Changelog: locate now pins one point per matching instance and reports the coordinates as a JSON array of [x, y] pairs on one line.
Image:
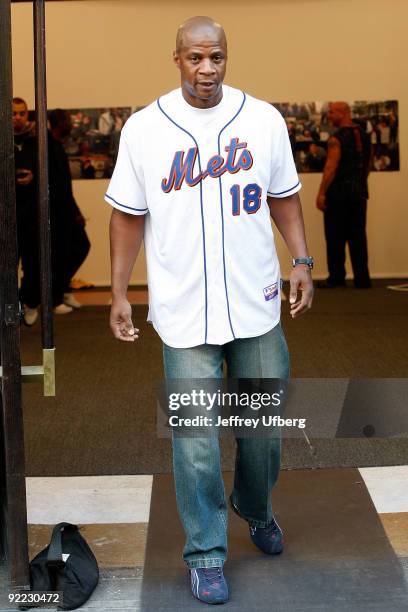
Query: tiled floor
[[113, 513], [396, 528], [115, 545], [115, 510], [98, 499], [112, 510], [388, 487]]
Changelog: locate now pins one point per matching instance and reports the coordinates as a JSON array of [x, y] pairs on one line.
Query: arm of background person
[[126, 235], [288, 218], [329, 172]]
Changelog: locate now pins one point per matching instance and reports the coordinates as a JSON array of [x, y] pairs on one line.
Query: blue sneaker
[[269, 539], [208, 585]]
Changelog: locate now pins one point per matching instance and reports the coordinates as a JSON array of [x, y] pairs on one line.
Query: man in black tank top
[[343, 198]]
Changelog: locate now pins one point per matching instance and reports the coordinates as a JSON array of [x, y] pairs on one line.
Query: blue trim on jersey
[[123, 205], [222, 210], [286, 190], [202, 211]]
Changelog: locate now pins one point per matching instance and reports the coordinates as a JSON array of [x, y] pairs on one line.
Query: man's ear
[[176, 59]]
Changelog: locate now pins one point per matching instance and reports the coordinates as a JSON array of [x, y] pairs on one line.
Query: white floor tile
[[89, 499], [388, 487]]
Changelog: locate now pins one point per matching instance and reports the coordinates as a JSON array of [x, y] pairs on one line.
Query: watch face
[[308, 261]]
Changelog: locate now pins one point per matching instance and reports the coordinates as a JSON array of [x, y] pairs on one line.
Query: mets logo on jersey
[[183, 165]]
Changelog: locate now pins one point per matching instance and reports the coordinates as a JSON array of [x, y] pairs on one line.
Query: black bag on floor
[[67, 564]]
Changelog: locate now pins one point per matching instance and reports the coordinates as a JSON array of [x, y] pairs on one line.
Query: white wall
[[118, 53]]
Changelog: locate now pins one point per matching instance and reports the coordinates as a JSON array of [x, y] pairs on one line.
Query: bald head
[[339, 113], [201, 56], [199, 27], [341, 107]]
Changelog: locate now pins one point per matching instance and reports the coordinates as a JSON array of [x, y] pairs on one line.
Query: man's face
[[202, 60], [334, 114], [20, 117]]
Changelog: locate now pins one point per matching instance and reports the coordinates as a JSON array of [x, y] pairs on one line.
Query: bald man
[[199, 174], [343, 198]]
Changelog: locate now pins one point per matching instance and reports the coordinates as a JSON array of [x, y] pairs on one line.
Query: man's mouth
[[206, 84]]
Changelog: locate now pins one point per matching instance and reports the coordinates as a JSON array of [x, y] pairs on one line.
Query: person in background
[[315, 158], [25, 156], [75, 242], [106, 122], [87, 169], [343, 198]]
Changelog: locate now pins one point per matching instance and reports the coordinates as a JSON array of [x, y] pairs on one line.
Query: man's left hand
[[300, 281]]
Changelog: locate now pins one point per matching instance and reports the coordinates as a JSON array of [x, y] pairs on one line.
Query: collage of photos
[[92, 145], [309, 131]]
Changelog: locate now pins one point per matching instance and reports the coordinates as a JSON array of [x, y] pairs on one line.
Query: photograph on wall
[[93, 144], [309, 131]]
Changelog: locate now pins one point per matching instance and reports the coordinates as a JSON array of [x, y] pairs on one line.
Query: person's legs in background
[[78, 250], [29, 292], [357, 241], [335, 233], [61, 230]]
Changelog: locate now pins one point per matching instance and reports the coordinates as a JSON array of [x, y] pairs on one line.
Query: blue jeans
[[198, 479]]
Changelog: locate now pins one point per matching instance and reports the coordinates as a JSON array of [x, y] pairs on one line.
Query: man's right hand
[[121, 321], [321, 202]]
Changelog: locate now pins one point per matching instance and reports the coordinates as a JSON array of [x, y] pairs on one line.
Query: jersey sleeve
[[126, 190], [284, 179]]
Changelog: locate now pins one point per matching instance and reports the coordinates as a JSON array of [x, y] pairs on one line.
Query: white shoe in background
[[62, 309], [70, 300], [30, 315]]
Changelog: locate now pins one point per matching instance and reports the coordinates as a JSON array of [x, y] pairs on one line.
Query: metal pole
[[42, 174], [12, 463]]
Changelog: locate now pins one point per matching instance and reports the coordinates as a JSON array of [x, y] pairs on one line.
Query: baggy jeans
[[199, 484]]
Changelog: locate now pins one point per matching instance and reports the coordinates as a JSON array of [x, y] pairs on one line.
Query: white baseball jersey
[[201, 177]]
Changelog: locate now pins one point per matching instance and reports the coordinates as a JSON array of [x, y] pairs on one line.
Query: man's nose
[[207, 66]]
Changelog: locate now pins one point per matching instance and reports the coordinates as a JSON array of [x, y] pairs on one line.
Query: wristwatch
[[308, 261]]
